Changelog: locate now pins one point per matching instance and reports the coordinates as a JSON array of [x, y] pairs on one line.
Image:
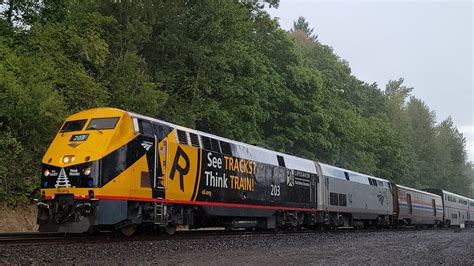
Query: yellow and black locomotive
[[108, 169]]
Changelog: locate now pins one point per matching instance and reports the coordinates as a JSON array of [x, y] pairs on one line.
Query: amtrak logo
[[62, 180], [381, 198], [147, 145], [74, 145]]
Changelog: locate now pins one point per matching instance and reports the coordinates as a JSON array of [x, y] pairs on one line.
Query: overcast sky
[[429, 44]]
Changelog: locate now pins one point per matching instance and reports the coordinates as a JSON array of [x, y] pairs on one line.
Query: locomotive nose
[[68, 159]]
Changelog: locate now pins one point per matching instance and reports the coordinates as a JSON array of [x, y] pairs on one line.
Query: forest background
[[224, 67]]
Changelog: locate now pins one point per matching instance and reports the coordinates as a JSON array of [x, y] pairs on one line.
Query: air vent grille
[[194, 140], [182, 137]]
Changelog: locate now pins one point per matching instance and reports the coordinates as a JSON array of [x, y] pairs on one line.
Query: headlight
[[87, 171], [68, 158], [46, 172]]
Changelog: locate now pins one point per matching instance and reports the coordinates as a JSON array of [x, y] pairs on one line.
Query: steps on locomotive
[[160, 213], [159, 190]]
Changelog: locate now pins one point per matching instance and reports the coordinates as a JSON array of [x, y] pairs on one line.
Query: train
[[110, 169]]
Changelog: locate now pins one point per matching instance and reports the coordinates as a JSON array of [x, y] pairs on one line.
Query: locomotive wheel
[[129, 230], [93, 231], [170, 229]]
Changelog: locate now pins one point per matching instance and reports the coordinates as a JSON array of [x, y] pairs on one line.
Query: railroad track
[[51, 238], [37, 238]]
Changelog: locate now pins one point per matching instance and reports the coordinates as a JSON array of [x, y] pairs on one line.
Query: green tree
[[31, 111], [222, 67], [450, 167], [302, 25], [131, 88]]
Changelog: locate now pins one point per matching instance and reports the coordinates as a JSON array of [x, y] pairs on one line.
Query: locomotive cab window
[[102, 123], [75, 125]]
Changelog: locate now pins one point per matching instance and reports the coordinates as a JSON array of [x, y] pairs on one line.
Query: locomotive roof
[[323, 165], [304, 164]]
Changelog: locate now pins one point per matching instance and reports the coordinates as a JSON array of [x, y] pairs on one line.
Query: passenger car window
[[102, 123], [410, 207], [75, 125]]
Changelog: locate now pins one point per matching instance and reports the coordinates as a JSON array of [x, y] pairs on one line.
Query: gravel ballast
[[448, 246]]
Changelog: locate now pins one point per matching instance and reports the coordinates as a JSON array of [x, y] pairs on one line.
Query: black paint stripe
[[198, 173], [116, 162]]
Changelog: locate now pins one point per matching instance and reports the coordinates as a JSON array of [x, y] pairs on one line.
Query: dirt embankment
[[18, 219]]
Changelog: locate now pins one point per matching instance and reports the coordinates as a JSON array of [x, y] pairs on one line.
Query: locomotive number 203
[[80, 137], [275, 190]]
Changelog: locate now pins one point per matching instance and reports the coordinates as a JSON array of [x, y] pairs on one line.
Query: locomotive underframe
[[66, 214]]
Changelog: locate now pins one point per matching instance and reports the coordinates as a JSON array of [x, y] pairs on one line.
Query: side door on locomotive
[[154, 139]]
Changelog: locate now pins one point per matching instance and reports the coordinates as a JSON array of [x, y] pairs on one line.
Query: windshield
[[103, 123], [75, 125]]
